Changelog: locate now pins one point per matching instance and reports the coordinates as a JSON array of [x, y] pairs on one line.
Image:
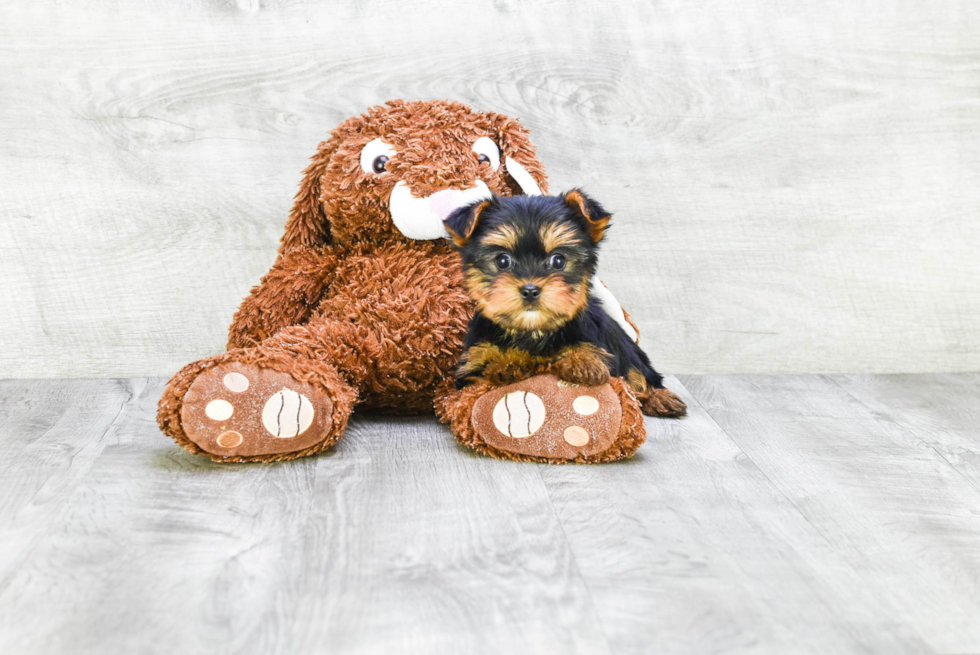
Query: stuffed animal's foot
[[238, 411], [546, 419], [243, 410], [662, 402]]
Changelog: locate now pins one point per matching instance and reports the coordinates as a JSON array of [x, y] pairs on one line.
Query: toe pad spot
[[236, 382], [219, 410], [585, 405], [576, 436], [230, 439]]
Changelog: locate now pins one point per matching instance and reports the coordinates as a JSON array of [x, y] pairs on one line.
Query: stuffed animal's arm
[[287, 295]]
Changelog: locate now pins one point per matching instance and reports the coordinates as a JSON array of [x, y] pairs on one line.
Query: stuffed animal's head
[[399, 170]]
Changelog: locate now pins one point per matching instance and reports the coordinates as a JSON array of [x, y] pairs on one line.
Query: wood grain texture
[[801, 514], [691, 548], [902, 520], [157, 551], [433, 549], [395, 541], [794, 186], [939, 410], [52, 433]]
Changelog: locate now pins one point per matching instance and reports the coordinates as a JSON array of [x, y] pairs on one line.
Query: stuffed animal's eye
[[557, 262], [487, 151], [375, 157], [503, 261]]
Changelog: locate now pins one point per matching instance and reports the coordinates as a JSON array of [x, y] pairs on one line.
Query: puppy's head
[[528, 260]]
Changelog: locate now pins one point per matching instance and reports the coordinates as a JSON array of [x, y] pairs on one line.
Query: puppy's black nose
[[530, 292]]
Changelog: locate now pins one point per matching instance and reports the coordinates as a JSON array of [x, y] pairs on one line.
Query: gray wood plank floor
[[823, 514]]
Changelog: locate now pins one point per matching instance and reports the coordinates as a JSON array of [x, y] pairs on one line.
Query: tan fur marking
[[562, 301], [499, 366], [462, 239], [597, 224], [597, 228], [556, 235], [500, 300], [577, 202], [637, 382], [478, 356], [477, 283], [505, 236]]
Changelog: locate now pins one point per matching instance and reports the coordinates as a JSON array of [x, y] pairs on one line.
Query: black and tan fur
[[528, 263]]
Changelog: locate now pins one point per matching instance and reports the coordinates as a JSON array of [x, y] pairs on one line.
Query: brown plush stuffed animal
[[365, 307]]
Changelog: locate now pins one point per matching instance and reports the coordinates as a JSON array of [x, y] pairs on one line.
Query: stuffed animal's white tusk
[[522, 177], [422, 218], [612, 307]]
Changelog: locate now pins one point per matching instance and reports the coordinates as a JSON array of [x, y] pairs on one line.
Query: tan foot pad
[[543, 417], [242, 410]]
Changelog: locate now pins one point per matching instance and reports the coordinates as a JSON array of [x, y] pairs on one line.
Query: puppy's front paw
[[499, 367], [511, 365], [506, 371], [584, 365]]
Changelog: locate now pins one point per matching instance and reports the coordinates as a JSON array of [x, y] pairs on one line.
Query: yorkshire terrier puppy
[[528, 262]]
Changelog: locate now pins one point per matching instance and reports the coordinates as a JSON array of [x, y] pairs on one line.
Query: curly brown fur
[[351, 304], [300, 278], [356, 309], [338, 202]]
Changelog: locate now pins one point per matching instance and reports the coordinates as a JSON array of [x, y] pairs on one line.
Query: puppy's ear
[[596, 218], [463, 221]]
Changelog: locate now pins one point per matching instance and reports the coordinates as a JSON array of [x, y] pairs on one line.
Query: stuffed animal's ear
[[308, 225], [525, 173], [596, 218], [462, 223]]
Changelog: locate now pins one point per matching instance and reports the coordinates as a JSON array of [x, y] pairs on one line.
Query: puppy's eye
[[375, 157], [557, 262], [484, 159], [503, 261]]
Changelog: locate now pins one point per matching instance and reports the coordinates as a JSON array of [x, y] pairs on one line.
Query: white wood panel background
[[796, 184]]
